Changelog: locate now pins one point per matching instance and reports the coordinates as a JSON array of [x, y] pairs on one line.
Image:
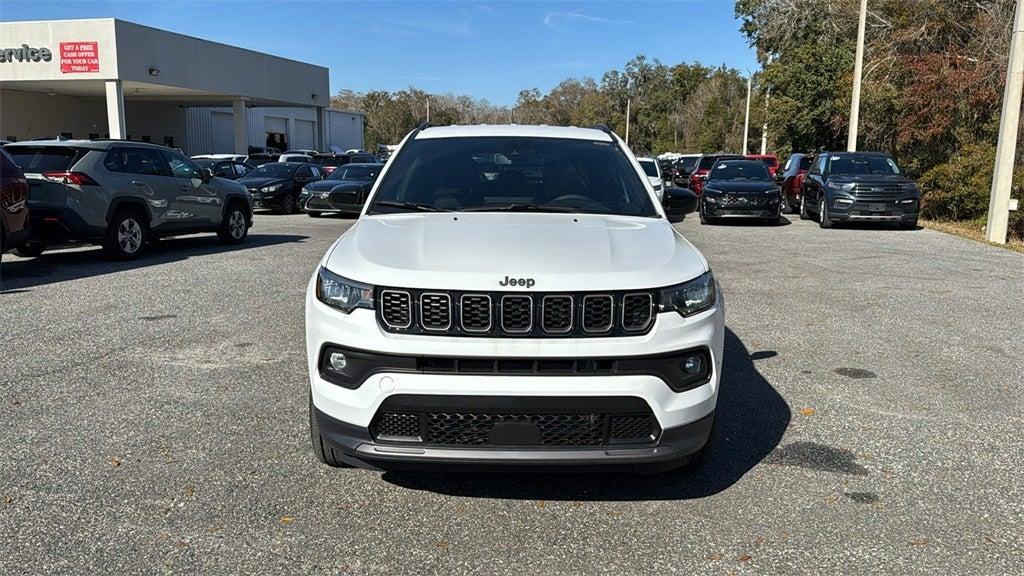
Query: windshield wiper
[[409, 205], [522, 208]]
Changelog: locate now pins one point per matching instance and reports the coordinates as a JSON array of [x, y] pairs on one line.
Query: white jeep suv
[[510, 296]]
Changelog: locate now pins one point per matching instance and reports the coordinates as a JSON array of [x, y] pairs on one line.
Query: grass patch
[[973, 229]]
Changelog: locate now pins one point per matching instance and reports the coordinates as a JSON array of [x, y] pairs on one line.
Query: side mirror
[[206, 174], [678, 202]]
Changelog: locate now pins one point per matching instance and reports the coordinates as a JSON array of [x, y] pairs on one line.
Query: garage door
[[275, 125], [303, 138], [223, 126]]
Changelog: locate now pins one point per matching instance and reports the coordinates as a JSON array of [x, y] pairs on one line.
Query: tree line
[[685, 107]]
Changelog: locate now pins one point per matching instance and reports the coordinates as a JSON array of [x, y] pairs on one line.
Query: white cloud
[[557, 20]]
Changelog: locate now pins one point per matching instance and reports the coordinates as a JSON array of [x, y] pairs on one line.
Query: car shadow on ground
[[18, 275], [750, 421]]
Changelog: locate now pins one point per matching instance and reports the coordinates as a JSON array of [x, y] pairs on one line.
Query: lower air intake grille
[[474, 428], [397, 426]]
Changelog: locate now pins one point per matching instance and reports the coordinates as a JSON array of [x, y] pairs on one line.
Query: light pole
[[746, 121], [764, 128], [851, 141], [1006, 149], [627, 121]]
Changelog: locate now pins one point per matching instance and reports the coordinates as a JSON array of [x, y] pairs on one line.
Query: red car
[[792, 180], [770, 160], [14, 222], [704, 165]]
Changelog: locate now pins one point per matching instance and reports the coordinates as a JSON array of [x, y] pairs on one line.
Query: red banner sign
[[79, 57]]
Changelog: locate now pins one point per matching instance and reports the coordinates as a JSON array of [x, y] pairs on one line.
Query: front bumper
[[847, 209], [352, 411], [315, 202], [673, 448], [720, 207]]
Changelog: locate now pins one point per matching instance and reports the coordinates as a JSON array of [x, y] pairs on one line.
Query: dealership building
[[107, 78]]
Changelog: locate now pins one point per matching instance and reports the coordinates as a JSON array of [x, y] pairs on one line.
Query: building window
[[67, 135], [94, 136], [169, 141], [146, 138], [12, 138]]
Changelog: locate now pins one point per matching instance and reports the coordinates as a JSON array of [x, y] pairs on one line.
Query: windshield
[[273, 170], [39, 159], [805, 163], [706, 162], [687, 164], [511, 174], [354, 172], [855, 165], [739, 170], [650, 168]]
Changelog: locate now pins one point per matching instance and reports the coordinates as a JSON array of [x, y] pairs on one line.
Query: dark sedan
[[344, 190], [740, 189], [276, 185]]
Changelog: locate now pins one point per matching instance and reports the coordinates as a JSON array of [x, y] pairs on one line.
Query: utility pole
[[851, 141], [627, 121], [746, 121], [764, 129], [1009, 120], [428, 109]]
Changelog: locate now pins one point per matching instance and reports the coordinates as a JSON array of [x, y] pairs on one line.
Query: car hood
[[870, 179], [260, 182], [560, 252], [328, 185], [739, 186]]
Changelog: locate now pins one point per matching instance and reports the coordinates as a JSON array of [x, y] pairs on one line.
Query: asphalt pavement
[[153, 419]]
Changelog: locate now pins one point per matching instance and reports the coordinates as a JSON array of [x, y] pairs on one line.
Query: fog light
[[692, 364], [338, 361]]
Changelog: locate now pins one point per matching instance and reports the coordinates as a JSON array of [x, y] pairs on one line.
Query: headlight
[[273, 188], [691, 297], [846, 186], [304, 192], [341, 293]]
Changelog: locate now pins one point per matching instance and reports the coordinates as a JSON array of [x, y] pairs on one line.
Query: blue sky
[[485, 49]]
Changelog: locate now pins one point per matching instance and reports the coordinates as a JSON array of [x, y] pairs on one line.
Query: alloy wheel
[[129, 235]]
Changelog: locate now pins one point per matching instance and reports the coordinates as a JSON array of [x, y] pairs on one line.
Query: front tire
[[289, 204], [909, 225], [126, 236], [803, 208], [235, 226], [823, 220], [323, 451]]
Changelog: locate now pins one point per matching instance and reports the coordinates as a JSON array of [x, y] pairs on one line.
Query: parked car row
[[830, 187]]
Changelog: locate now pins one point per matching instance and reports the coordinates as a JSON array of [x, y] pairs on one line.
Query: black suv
[[859, 187]]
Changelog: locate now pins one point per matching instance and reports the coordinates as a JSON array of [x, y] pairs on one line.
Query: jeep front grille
[[453, 313]]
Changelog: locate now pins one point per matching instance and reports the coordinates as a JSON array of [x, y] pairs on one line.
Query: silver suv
[[124, 194]]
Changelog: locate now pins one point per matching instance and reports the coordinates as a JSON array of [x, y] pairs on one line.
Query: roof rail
[[424, 126], [602, 127]]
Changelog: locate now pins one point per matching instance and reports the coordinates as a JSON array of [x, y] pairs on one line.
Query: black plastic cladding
[[516, 314]]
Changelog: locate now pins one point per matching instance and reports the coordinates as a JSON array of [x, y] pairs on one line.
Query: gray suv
[[124, 194]]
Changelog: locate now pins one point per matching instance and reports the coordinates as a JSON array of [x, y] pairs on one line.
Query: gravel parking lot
[[154, 420]]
